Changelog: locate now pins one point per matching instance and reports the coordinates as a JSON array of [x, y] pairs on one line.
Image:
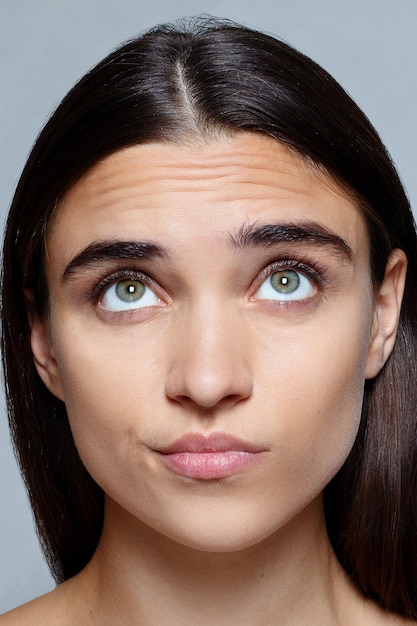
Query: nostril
[[205, 412], [208, 393]]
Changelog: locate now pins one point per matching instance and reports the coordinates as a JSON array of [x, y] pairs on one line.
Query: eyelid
[[314, 271], [310, 269], [121, 274], [313, 279], [153, 299]]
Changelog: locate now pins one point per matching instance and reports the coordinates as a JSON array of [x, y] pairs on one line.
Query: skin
[[213, 348]]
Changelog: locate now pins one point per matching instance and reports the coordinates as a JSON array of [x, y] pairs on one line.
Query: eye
[[126, 294], [285, 285]]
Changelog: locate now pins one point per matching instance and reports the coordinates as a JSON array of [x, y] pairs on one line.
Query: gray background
[[370, 46]]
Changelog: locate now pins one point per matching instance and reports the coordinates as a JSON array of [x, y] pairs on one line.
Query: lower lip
[[209, 465]]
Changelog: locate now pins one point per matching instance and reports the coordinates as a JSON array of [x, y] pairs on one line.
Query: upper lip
[[215, 442]]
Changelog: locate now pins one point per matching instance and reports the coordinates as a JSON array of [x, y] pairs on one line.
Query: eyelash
[[311, 269], [313, 278], [317, 274], [107, 281]]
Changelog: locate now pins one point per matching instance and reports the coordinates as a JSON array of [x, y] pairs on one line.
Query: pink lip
[[207, 458]]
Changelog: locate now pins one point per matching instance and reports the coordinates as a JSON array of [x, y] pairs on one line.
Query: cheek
[[315, 382], [104, 383]]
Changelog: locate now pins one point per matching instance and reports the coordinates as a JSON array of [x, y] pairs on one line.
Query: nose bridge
[[209, 361]]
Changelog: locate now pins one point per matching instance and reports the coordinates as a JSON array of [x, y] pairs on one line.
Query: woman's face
[[210, 331]]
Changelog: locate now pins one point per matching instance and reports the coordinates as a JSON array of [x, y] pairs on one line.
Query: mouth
[[207, 458]]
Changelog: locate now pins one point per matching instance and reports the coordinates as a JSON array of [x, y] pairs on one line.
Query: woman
[[210, 380]]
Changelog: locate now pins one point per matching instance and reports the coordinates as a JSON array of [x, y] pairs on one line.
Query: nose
[[210, 362]]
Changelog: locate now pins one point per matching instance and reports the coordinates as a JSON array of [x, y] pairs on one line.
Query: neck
[[144, 577]]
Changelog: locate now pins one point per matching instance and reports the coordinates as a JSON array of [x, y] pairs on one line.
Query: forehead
[[167, 189]]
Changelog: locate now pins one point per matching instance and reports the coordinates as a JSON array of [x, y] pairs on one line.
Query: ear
[[42, 349], [387, 305]]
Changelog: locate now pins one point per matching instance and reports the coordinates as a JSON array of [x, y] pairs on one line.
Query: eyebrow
[[252, 235], [113, 250], [248, 235]]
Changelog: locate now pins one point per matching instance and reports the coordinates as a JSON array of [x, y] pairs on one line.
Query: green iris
[[285, 282], [130, 290]]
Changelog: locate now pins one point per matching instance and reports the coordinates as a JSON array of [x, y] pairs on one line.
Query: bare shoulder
[[39, 611], [402, 621], [56, 608], [382, 617], [405, 622]]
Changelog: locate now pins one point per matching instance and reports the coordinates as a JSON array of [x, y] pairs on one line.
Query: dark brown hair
[[201, 78]]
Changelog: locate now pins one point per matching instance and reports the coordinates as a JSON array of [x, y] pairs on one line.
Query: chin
[[225, 544], [217, 533]]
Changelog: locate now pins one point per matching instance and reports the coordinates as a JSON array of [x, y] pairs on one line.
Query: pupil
[[285, 282], [129, 290]]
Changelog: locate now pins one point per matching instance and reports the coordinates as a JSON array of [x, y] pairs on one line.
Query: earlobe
[[42, 349], [387, 305]]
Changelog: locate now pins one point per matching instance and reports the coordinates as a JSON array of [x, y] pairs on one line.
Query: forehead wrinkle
[[171, 176], [243, 165]]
